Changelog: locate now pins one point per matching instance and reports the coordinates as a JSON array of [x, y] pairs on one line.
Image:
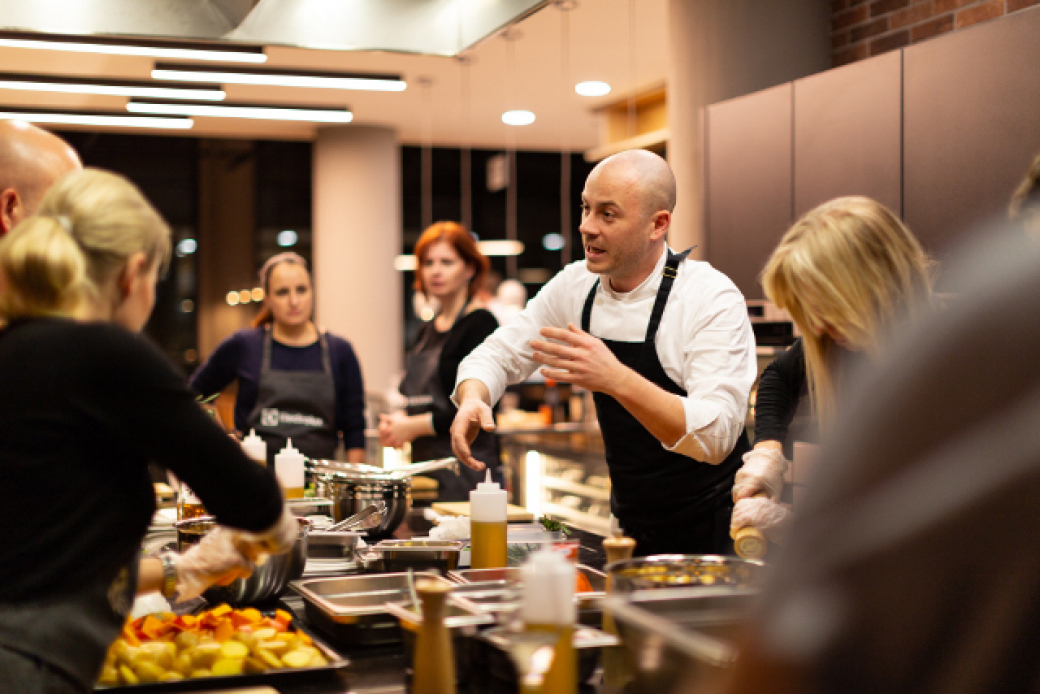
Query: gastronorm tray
[[353, 609], [273, 678], [499, 589]]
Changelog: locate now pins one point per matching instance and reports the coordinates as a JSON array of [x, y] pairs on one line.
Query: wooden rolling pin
[[749, 542]]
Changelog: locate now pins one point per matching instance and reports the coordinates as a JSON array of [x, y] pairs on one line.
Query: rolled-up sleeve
[[718, 370]]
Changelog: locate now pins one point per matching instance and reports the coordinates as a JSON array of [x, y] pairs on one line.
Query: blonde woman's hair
[[850, 264], [86, 227]]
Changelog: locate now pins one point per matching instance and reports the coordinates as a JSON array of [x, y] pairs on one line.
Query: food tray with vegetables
[[216, 648]]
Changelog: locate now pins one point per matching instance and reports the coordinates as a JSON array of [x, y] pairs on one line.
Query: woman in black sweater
[[846, 271], [87, 404], [451, 270]]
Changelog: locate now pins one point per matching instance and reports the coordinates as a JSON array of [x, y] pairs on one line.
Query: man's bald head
[[31, 160], [649, 173]]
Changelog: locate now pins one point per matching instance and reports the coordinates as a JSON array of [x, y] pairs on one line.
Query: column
[[721, 49], [356, 235]]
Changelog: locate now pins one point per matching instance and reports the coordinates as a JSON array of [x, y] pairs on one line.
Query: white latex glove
[[277, 539], [214, 560], [769, 517], [763, 472]]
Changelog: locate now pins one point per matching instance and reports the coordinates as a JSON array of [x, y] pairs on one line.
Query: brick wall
[[864, 28]]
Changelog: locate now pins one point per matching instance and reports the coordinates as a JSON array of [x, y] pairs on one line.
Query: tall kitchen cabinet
[[940, 132]]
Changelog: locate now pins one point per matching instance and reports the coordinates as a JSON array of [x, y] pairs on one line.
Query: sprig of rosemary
[[554, 526]]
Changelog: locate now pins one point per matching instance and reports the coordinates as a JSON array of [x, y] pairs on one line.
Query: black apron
[[295, 404], [667, 502], [59, 645], [425, 392]]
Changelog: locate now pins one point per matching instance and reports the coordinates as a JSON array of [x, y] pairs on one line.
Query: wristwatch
[[169, 574]]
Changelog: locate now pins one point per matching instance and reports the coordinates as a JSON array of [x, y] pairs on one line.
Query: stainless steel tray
[[399, 555], [499, 589], [682, 637], [353, 609]]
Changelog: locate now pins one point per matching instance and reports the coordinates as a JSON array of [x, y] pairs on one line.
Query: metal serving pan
[[681, 638], [400, 555], [352, 609]]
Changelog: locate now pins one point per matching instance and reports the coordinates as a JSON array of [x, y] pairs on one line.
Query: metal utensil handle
[[449, 463]]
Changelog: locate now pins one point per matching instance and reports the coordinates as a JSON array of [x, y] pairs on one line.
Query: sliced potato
[[234, 650], [228, 666]]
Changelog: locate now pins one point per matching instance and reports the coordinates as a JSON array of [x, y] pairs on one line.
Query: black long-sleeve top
[[782, 394]]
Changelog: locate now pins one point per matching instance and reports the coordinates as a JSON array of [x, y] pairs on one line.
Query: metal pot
[[267, 582], [349, 496]]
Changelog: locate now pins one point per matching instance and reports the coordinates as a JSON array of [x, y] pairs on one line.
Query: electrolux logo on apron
[[272, 417]]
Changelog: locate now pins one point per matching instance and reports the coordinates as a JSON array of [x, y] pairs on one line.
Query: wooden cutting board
[[514, 514]]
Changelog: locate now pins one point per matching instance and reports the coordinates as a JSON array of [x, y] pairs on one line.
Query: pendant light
[[565, 6], [510, 36], [426, 154], [466, 153]]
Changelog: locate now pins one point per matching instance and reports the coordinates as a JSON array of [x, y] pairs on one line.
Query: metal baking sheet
[[274, 678]]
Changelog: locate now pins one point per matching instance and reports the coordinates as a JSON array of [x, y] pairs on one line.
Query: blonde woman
[[87, 403], [845, 272]]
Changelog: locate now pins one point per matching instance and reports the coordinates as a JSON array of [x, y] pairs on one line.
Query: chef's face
[[444, 272], [616, 232], [289, 294]]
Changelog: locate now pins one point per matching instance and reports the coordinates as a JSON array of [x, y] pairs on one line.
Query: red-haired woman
[[450, 269]]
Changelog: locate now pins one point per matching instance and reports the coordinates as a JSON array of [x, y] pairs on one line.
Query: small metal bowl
[[401, 555], [266, 583], [339, 544]]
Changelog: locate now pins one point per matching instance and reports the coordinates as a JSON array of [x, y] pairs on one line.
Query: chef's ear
[[10, 209], [661, 220]]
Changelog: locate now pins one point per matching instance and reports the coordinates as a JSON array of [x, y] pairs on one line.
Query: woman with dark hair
[[295, 381], [451, 270]]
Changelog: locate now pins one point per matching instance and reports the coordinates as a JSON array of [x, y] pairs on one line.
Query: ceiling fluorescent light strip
[[258, 111], [161, 49], [95, 118], [279, 78], [109, 87]]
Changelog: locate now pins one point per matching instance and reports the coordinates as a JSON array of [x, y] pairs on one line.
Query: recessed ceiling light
[[257, 111], [518, 118], [176, 50], [316, 79], [592, 88]]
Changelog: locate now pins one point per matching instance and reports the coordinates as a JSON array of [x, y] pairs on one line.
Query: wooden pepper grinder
[[433, 670], [749, 542], [617, 670]]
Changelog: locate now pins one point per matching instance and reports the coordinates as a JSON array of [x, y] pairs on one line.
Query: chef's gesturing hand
[[474, 414], [574, 356]]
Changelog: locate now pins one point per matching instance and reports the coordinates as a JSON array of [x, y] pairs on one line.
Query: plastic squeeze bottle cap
[[288, 467], [548, 588], [255, 447], [487, 503]]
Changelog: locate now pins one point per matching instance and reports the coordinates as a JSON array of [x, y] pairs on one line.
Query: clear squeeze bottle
[[433, 670], [255, 447], [487, 510], [549, 607], [288, 467]]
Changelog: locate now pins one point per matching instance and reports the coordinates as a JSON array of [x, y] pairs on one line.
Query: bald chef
[[662, 341]]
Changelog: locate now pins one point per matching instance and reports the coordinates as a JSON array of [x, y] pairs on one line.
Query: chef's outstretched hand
[[395, 430], [474, 414], [571, 355]]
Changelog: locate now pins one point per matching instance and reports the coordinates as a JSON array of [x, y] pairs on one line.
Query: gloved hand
[[769, 517], [277, 539], [214, 560], [763, 472]]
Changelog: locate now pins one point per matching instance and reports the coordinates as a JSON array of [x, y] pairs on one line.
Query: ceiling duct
[[429, 27], [175, 19]]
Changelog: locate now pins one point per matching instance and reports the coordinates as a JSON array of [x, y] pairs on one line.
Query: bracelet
[[169, 575]]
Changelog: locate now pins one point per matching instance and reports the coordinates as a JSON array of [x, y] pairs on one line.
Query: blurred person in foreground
[[295, 380], [1024, 209], [451, 270], [87, 404], [847, 271], [31, 160], [662, 341]]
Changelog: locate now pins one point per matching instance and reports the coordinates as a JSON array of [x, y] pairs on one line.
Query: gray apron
[[59, 645], [425, 392], [295, 404]]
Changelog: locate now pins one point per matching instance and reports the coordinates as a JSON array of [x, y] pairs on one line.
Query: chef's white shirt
[[704, 343]]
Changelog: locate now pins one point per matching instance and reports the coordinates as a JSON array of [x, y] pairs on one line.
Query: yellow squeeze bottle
[[548, 607], [487, 510]]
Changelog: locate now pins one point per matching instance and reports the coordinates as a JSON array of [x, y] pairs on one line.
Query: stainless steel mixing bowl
[[267, 581], [350, 496]]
